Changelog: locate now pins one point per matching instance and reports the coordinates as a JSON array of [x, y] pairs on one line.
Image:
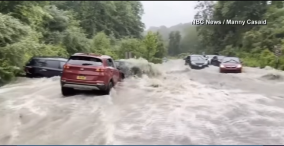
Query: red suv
[[89, 71]]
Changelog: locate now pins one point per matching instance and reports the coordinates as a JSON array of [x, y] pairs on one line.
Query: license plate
[[81, 77], [200, 65]]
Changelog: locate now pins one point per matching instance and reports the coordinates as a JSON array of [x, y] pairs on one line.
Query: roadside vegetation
[[61, 28], [254, 44]]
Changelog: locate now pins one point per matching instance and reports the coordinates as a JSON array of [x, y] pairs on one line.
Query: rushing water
[[177, 106]]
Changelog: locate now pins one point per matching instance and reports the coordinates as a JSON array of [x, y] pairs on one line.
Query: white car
[[206, 58]]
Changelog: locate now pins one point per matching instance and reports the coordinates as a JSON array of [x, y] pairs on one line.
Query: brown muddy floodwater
[[180, 106]]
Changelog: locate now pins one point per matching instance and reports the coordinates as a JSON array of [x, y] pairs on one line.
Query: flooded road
[[181, 106]]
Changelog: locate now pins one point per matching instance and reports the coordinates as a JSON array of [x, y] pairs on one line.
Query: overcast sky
[[167, 13]]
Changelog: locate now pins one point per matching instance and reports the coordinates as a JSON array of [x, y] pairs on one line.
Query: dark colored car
[[44, 66], [89, 72], [197, 62], [128, 69], [122, 67], [231, 64], [186, 60], [216, 60], [210, 57]]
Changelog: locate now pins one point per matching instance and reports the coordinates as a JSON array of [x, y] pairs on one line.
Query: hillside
[[165, 31], [62, 28]]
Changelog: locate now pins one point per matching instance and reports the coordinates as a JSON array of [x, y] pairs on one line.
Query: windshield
[[196, 58], [116, 63], [231, 60], [210, 56], [220, 57], [85, 60], [122, 63]]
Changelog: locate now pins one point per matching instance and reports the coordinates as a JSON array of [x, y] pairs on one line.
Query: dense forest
[[254, 44], [179, 39], [61, 28]]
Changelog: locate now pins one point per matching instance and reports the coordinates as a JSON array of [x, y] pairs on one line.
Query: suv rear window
[[37, 62], [52, 63], [85, 60]]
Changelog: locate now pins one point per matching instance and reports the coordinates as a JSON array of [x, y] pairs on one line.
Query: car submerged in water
[[209, 58], [127, 69], [44, 66], [230, 64], [89, 72], [216, 60], [196, 61]]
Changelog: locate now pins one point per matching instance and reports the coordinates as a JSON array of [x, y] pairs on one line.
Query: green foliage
[[151, 44], [181, 38], [135, 46], [174, 43], [183, 55], [161, 49], [254, 44], [62, 28]]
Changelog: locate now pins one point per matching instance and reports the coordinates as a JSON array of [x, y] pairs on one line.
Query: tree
[[61, 28], [135, 46], [253, 43], [151, 43], [174, 43], [161, 49]]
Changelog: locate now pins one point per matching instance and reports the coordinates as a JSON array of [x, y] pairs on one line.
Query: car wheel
[[122, 76], [29, 75], [67, 91], [136, 71], [108, 88]]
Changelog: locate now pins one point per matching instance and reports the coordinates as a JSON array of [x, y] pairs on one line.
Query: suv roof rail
[[106, 56], [48, 57], [94, 54], [78, 53], [87, 54]]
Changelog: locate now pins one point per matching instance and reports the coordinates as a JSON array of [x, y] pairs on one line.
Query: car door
[[52, 68], [34, 67], [189, 60], [214, 60], [61, 66], [114, 71]]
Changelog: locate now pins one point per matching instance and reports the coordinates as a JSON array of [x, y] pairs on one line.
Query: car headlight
[[193, 63], [239, 66], [222, 66]]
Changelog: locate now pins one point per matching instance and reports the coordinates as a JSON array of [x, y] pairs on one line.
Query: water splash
[[167, 108], [141, 66]]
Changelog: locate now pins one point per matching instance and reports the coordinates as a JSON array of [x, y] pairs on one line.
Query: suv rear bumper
[[98, 86]]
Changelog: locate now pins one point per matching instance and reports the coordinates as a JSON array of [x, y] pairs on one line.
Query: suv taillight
[[100, 70], [65, 66]]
